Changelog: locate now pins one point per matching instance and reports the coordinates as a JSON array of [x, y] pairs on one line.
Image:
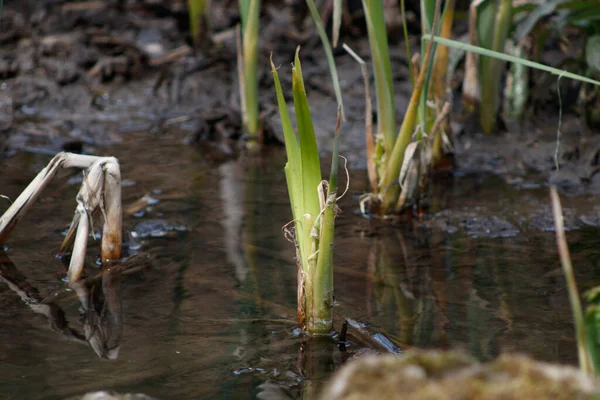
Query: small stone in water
[[128, 183], [156, 228], [139, 214]]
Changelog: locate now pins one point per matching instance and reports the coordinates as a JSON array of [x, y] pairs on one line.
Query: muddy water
[[207, 297]]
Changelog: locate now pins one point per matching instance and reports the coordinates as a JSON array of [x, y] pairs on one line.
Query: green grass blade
[[506, 57], [293, 168], [244, 10], [426, 119], [485, 23], [309, 153], [427, 13], [384, 86], [333, 175], [490, 91], [516, 90], [406, 43], [592, 330], [328, 52], [199, 15], [250, 53]]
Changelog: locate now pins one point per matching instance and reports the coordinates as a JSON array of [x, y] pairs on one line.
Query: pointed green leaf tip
[[309, 153], [293, 168]]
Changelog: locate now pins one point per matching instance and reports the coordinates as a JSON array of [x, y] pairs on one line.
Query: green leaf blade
[[386, 110], [506, 57], [293, 168], [309, 152]]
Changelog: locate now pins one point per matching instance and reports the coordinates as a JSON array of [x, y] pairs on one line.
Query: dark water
[[210, 312]]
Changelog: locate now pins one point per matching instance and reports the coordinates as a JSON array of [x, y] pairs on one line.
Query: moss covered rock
[[450, 375]]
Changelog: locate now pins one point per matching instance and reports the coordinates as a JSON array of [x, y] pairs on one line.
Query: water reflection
[[211, 313], [429, 288], [100, 313]]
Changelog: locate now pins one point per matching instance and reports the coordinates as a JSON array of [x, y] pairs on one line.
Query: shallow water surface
[[205, 307]]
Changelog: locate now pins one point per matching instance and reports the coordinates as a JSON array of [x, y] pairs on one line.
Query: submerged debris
[[156, 228]]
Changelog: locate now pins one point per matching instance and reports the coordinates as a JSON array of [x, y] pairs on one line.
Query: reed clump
[[314, 206]]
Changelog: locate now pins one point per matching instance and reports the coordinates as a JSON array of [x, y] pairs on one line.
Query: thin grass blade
[[386, 110], [328, 52], [309, 152], [293, 168], [244, 6], [491, 74], [406, 43], [250, 51], [506, 57]]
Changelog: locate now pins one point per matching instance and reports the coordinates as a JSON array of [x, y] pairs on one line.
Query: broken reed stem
[[28, 197], [112, 230], [585, 360], [101, 189]]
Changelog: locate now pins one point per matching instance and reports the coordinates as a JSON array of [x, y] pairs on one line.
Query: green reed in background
[[314, 13], [247, 66], [199, 13], [388, 157]]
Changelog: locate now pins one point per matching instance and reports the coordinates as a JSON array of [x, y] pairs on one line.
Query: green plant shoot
[[313, 204], [199, 13], [247, 65]]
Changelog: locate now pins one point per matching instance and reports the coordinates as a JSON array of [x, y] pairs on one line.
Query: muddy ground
[[78, 76]]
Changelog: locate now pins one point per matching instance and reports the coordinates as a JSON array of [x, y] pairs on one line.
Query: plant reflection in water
[[100, 312]]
